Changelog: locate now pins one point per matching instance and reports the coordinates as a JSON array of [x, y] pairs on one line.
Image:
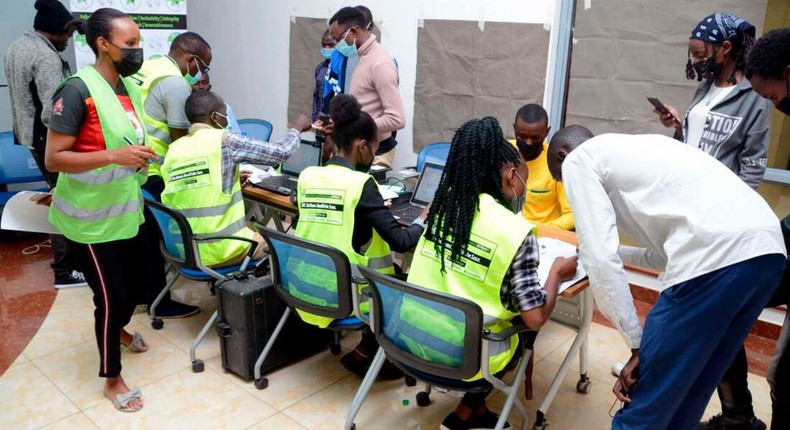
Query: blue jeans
[[691, 336]]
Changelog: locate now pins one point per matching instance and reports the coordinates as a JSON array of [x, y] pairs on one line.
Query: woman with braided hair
[[475, 246]]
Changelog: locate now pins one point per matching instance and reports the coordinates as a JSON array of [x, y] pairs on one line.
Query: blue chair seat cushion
[[347, 322], [199, 275]]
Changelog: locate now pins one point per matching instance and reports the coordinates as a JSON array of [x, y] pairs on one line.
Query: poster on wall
[[160, 21]]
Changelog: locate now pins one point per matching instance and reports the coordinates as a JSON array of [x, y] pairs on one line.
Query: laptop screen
[[428, 183], [305, 156]]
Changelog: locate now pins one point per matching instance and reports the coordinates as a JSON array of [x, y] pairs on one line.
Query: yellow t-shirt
[[546, 201]]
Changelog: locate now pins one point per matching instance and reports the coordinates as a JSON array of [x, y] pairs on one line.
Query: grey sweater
[[34, 68], [737, 131]]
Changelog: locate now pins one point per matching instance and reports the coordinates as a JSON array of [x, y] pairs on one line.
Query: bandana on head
[[718, 27]]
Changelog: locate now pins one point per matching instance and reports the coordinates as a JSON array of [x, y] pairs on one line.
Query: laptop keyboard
[[407, 212]]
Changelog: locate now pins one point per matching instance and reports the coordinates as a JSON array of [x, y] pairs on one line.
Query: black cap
[[53, 17]]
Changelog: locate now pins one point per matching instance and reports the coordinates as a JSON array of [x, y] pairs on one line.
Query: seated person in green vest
[[204, 84], [201, 175], [475, 211], [363, 228], [546, 203], [166, 82]]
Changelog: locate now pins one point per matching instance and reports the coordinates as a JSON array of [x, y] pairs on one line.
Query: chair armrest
[[250, 252], [355, 281], [505, 334]]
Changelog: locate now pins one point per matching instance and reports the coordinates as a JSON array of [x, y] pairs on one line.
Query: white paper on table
[[550, 249], [23, 214], [389, 192], [259, 174]]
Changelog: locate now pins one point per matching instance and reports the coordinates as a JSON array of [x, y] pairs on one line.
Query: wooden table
[[268, 206]]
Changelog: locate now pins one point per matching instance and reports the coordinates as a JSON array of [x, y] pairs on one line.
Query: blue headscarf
[[718, 27]]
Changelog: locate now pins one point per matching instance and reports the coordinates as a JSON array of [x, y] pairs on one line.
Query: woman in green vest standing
[[475, 246], [96, 142]]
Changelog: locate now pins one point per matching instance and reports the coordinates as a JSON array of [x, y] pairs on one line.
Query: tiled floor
[[53, 384]]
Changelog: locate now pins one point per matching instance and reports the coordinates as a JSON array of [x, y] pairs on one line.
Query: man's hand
[[136, 156], [245, 177], [627, 379], [301, 123], [327, 128], [564, 268]]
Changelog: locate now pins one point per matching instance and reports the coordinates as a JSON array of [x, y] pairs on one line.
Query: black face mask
[[707, 69], [131, 61], [784, 105], [361, 165], [527, 151]]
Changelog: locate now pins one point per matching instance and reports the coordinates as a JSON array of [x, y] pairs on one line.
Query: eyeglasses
[[342, 36], [204, 68]]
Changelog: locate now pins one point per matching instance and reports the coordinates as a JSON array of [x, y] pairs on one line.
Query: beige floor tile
[[552, 335], [278, 422], [21, 359], [605, 347], [383, 408], [30, 400], [298, 381], [75, 370], [761, 400], [75, 422], [187, 401], [69, 323], [182, 331]]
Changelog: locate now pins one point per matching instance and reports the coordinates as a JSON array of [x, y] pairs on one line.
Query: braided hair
[[477, 153]]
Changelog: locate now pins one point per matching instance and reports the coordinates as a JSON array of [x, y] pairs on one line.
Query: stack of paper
[[550, 249], [22, 213]]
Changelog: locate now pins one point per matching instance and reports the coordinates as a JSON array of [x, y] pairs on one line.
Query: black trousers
[[62, 263], [115, 272]]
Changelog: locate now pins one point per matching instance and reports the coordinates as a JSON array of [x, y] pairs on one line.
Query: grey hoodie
[[737, 131]]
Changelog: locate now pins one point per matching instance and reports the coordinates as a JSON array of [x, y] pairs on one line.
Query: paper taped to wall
[[22, 213], [550, 249]]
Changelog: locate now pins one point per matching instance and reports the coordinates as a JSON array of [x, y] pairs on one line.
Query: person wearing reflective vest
[[206, 190], [96, 142], [477, 247], [340, 205]]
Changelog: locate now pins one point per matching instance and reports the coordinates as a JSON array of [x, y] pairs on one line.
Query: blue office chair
[[16, 166], [256, 128], [332, 296], [447, 362], [433, 153], [180, 248]]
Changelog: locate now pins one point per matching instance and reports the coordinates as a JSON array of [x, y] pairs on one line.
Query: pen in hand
[[158, 159]]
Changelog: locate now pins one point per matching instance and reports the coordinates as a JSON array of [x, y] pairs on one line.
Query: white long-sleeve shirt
[[690, 214]]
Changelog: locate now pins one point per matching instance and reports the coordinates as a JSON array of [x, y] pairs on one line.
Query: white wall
[[249, 40]]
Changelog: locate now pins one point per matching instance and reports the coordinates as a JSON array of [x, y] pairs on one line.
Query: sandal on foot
[[121, 401], [138, 344]]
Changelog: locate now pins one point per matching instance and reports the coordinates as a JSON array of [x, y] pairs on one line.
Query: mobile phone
[[324, 118], [660, 107]]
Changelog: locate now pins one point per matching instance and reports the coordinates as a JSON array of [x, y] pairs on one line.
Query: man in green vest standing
[[165, 83]]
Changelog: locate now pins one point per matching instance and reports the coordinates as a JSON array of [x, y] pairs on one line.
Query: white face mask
[[227, 122], [517, 202]]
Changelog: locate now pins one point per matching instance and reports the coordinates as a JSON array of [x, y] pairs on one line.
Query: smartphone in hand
[[661, 108]]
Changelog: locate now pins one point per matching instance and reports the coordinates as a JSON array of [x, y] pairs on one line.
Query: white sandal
[[121, 401], [138, 344]]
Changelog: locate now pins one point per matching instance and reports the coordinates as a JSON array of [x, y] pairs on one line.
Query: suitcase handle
[[223, 329]]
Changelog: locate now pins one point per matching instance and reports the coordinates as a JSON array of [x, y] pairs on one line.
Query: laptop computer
[[308, 154], [423, 194]]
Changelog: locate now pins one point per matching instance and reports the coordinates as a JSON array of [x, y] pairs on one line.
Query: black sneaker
[[173, 309], [721, 422], [388, 372], [73, 279], [487, 421]]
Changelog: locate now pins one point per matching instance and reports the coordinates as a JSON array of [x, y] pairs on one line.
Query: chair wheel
[[334, 348], [198, 366], [423, 399], [157, 324], [583, 386], [261, 383], [410, 382]]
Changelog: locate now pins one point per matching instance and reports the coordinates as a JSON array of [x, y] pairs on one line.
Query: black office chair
[[447, 365]]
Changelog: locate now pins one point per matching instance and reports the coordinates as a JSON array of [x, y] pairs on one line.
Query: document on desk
[[23, 214], [258, 173], [550, 249]]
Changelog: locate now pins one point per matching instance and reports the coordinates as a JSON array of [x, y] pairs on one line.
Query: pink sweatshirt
[[375, 85]]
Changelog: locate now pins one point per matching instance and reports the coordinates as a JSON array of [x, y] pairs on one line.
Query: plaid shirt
[[521, 289], [239, 149]]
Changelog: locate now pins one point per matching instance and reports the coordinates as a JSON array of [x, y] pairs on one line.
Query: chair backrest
[[435, 333], [17, 164], [309, 276], [256, 128], [176, 234], [433, 153]]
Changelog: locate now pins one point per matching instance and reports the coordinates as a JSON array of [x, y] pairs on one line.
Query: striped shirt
[[521, 289]]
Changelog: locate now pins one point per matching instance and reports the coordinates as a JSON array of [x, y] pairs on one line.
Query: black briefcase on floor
[[249, 311]]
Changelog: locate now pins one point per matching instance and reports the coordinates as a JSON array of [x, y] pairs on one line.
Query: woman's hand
[[136, 156], [564, 268], [670, 119]]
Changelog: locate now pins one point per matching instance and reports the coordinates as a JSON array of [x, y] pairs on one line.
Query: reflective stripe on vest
[[477, 276], [155, 68], [328, 197], [192, 173], [103, 204]]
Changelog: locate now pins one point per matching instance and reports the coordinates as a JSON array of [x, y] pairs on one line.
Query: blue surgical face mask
[[327, 52], [194, 79], [344, 48], [517, 202]]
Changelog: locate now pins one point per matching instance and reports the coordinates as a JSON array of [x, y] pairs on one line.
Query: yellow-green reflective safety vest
[[154, 69], [327, 198], [192, 173], [104, 204], [496, 236]]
